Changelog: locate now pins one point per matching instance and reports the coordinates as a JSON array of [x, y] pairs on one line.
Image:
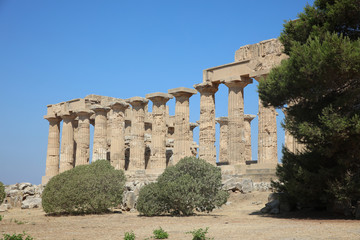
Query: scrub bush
[[84, 189], [160, 234], [191, 184], [2, 192]]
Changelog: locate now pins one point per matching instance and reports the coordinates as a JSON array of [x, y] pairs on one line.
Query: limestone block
[[22, 186], [31, 202]]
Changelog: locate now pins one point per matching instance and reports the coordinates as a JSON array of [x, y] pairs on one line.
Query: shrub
[[90, 188], [191, 184], [129, 236], [199, 234], [149, 202], [21, 236], [160, 234], [2, 192]]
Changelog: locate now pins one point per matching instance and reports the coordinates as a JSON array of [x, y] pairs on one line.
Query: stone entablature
[[133, 139]]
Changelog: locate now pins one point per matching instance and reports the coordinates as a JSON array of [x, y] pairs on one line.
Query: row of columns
[[238, 139], [238, 143], [75, 150]]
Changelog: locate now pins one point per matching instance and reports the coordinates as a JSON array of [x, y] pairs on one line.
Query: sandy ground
[[238, 220]]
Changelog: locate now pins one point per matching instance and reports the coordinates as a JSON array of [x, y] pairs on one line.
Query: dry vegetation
[[238, 220]]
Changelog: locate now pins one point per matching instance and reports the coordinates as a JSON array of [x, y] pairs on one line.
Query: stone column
[[182, 120], [223, 151], [137, 143], [159, 130], [267, 133], [207, 149], [291, 143], [117, 148], [192, 127], [108, 132], [53, 148], [83, 137], [100, 132], [67, 142], [236, 133], [247, 124]]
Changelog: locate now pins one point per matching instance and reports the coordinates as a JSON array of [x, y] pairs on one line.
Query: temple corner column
[[53, 148]]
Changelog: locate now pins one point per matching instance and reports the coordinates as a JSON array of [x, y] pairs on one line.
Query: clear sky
[[54, 51]]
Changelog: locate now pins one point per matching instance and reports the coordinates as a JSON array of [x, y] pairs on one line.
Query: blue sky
[[54, 51]]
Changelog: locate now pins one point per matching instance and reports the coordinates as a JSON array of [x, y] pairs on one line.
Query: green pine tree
[[320, 86]]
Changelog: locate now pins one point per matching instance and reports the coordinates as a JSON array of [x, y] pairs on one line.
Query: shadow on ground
[[306, 214]]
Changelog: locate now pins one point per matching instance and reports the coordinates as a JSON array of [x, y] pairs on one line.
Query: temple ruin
[[138, 141]]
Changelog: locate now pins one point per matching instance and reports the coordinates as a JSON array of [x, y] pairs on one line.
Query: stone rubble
[[23, 195]]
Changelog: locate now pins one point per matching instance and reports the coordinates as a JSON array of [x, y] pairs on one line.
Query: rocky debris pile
[[27, 195], [277, 204], [245, 185], [131, 194], [24, 195]]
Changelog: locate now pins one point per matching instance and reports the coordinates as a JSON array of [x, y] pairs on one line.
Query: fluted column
[[100, 132], [291, 143], [207, 149], [247, 125], [192, 127], [159, 130], [137, 143], [182, 119], [223, 151], [236, 133], [53, 148], [117, 148], [267, 133], [67, 143], [83, 137]]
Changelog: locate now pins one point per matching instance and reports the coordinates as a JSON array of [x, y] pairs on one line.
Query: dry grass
[[238, 220]]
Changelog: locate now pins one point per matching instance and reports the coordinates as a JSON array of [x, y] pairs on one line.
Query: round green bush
[[90, 188], [149, 202], [2, 192], [191, 184]]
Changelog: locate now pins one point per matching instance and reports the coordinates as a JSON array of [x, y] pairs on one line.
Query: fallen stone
[[31, 202], [22, 186], [247, 185]]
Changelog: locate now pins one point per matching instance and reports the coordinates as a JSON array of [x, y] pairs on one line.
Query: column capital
[[222, 120], [84, 112], [137, 101], [98, 108], [260, 77], [159, 97], [68, 115], [206, 87], [52, 118], [249, 117], [119, 105], [237, 81], [193, 125], [182, 91]]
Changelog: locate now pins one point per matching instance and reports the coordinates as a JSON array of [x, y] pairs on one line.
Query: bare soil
[[239, 219]]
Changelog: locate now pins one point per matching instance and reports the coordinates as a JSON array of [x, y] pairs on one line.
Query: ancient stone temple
[[134, 139]]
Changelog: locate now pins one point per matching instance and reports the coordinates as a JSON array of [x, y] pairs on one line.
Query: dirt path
[[237, 220]]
